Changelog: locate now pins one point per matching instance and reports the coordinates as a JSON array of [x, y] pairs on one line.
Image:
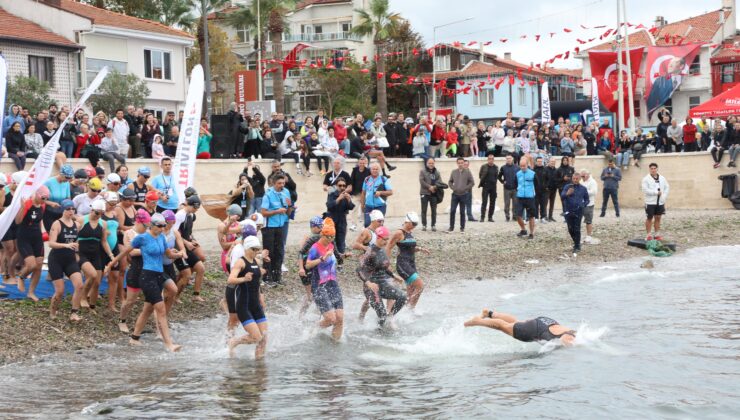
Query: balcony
[[328, 36]]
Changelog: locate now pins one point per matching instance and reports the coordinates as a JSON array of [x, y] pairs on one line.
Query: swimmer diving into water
[[537, 329]]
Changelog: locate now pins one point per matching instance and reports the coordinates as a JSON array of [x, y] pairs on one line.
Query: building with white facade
[[154, 52], [324, 24]]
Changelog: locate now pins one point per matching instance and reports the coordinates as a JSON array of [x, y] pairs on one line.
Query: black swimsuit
[[63, 261], [538, 329]]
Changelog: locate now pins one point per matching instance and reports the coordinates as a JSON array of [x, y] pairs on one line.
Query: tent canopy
[[723, 105]]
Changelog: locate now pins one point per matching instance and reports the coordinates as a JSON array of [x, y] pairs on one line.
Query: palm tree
[[176, 13], [273, 21], [381, 24]]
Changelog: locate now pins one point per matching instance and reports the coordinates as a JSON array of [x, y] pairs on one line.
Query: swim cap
[[99, 171], [158, 219], [152, 196], [376, 215], [234, 210], [95, 184], [412, 217], [98, 205], [252, 242], [128, 193], [249, 230], [259, 219], [67, 171], [169, 216], [81, 174], [90, 171], [113, 179], [328, 229], [382, 232], [316, 221], [43, 192], [67, 204], [142, 216], [145, 171], [110, 196], [194, 201], [409, 120], [18, 177], [189, 192]]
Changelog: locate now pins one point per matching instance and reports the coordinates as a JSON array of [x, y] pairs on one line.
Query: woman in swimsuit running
[[537, 329]]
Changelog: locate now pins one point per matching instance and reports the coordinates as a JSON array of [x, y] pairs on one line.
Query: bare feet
[[32, 297], [84, 303], [472, 322], [134, 342], [197, 298], [75, 318], [122, 327], [174, 348], [11, 281], [21, 285], [232, 346]]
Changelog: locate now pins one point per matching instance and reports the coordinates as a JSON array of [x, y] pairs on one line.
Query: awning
[[723, 105]]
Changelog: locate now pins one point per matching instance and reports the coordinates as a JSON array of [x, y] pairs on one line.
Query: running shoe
[[284, 269], [649, 238], [531, 236], [658, 237], [522, 233]]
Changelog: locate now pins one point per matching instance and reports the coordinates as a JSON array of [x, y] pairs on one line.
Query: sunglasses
[[330, 236], [74, 210], [256, 249], [414, 224], [115, 183], [44, 198], [128, 199], [97, 212], [95, 191], [341, 186], [159, 225], [146, 176]]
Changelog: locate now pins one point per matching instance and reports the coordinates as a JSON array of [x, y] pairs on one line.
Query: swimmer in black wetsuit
[[63, 260], [245, 301], [537, 329]]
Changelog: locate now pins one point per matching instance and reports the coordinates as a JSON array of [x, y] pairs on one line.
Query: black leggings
[[541, 204], [272, 240], [320, 159], [291, 155], [488, 195], [551, 202], [386, 290], [430, 199], [717, 153]]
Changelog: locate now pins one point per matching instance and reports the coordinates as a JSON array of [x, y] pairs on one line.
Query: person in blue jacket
[[525, 181], [13, 116], [575, 199]]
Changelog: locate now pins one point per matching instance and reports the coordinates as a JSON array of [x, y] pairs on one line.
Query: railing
[[329, 36]]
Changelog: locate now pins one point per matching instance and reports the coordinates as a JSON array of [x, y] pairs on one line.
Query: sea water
[[661, 343]]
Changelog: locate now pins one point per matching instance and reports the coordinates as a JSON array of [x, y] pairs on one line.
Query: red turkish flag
[[666, 68], [604, 69], [290, 60]]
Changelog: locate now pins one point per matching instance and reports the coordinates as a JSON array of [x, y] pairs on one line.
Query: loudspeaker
[[222, 143]]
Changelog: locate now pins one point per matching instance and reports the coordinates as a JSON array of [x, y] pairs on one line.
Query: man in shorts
[[525, 198], [588, 212], [655, 191]]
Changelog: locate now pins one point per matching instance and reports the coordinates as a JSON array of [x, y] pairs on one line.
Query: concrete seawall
[[693, 182]]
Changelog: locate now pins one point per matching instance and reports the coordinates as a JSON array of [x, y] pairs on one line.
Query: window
[[242, 34], [157, 65], [466, 58], [483, 98], [637, 108], [158, 113], [728, 73], [346, 26], [41, 68], [694, 101], [695, 67], [441, 62], [94, 65], [318, 29], [309, 102], [522, 96]]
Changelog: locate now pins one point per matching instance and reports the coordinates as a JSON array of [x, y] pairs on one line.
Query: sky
[[493, 20]]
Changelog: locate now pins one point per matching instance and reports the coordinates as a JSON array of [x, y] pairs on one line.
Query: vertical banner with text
[[187, 144]]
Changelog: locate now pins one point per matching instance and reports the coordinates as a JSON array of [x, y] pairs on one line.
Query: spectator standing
[[376, 188], [551, 177], [575, 199], [507, 176], [359, 173], [204, 143], [133, 130], [488, 178], [564, 174], [689, 136], [610, 176], [148, 131], [525, 198], [235, 120], [121, 131], [461, 184], [588, 211], [540, 189], [170, 141], [338, 205], [661, 131], [276, 208], [429, 177], [655, 190], [165, 184], [258, 183]]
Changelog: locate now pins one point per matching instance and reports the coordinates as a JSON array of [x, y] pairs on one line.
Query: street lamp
[[434, 69]]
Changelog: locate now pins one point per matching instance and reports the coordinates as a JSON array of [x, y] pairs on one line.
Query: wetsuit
[[112, 224], [134, 271], [374, 268], [243, 299], [538, 329], [10, 234], [168, 265], [63, 261], [152, 276], [28, 233], [406, 260], [128, 221], [326, 291], [90, 240], [186, 231]]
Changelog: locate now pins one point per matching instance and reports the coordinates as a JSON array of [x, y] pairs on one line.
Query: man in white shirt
[[655, 190], [588, 213], [120, 131]]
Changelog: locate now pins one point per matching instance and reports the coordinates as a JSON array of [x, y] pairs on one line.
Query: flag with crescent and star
[[605, 70]]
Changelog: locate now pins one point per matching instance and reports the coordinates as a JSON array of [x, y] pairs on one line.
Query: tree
[[403, 98], [119, 90], [223, 61], [343, 92], [273, 20], [168, 12], [28, 92], [381, 24]]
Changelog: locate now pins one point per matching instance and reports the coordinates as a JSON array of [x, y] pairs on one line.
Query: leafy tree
[[119, 90], [403, 98], [273, 20], [342, 92], [176, 13], [28, 92], [381, 24], [222, 59]]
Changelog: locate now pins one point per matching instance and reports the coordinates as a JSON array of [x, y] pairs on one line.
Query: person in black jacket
[[257, 181], [487, 175], [540, 190], [338, 204], [15, 143], [551, 186], [235, 120], [391, 133], [507, 176], [563, 175], [359, 173], [135, 122]]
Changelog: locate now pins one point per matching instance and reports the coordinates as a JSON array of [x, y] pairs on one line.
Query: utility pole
[[620, 79], [259, 53], [207, 59], [630, 94]]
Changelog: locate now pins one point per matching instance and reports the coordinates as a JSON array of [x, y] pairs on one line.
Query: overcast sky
[[512, 19]]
